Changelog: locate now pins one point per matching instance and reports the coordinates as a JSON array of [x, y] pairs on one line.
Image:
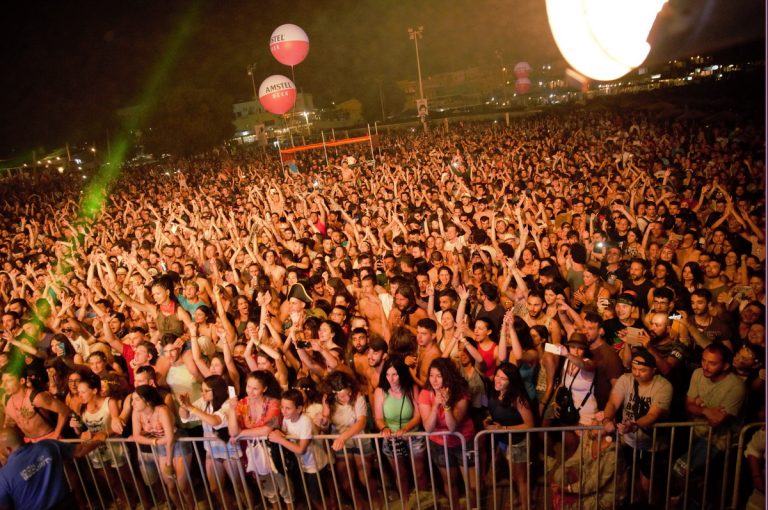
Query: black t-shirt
[[612, 328], [496, 317], [620, 274], [506, 416], [640, 290], [617, 239]]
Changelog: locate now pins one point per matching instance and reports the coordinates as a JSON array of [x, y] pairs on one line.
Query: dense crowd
[[570, 269]]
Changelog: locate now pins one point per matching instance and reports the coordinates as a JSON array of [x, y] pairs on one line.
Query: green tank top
[[397, 411]]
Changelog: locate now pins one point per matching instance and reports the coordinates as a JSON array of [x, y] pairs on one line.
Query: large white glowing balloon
[[603, 39]]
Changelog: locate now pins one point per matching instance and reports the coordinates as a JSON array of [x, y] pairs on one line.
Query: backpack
[[567, 411]]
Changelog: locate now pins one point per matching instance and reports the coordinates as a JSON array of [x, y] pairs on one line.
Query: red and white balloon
[[523, 85], [522, 70], [289, 44], [277, 94]]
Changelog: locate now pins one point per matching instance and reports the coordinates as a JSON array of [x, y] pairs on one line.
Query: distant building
[[250, 113]]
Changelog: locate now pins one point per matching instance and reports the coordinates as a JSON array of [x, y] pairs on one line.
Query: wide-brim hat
[[299, 292], [578, 339]]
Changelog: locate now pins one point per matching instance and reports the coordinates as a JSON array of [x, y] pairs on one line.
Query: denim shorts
[[516, 453], [148, 465], [454, 459], [403, 446]]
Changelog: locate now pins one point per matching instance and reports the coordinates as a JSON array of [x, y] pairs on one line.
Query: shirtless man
[[536, 316], [405, 312], [428, 350], [377, 354], [358, 358], [370, 306], [26, 412]]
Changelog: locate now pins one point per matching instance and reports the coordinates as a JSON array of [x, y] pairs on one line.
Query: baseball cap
[[643, 357], [626, 298]]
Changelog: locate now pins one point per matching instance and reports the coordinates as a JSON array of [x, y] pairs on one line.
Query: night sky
[[68, 65]]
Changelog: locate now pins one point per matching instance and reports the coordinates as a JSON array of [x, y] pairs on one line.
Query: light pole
[[251, 68], [415, 35], [500, 56], [381, 102]]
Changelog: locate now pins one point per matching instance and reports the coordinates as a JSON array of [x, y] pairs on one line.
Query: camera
[[303, 344]]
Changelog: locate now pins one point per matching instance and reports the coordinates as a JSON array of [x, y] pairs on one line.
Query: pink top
[[466, 428], [151, 425]]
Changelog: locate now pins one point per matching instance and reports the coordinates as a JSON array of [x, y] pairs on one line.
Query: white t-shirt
[[314, 458], [344, 416], [387, 301]]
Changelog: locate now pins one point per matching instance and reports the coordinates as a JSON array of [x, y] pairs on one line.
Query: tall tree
[[189, 121]]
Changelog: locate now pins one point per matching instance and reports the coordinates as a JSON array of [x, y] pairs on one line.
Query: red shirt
[[466, 428]]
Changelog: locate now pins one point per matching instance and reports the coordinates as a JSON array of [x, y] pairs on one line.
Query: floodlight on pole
[[415, 35], [251, 71]]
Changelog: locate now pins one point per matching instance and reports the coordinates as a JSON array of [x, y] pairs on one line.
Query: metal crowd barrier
[[526, 469]]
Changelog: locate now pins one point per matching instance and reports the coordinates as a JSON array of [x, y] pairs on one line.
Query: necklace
[[23, 411], [699, 324]]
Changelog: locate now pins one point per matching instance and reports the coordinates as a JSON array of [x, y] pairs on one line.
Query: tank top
[[489, 358], [151, 426], [528, 374], [169, 323], [101, 421], [397, 411]]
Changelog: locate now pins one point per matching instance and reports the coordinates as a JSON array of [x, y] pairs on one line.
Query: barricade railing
[[545, 467]]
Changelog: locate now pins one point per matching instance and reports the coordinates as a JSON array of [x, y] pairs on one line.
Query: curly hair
[[336, 382], [452, 379]]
